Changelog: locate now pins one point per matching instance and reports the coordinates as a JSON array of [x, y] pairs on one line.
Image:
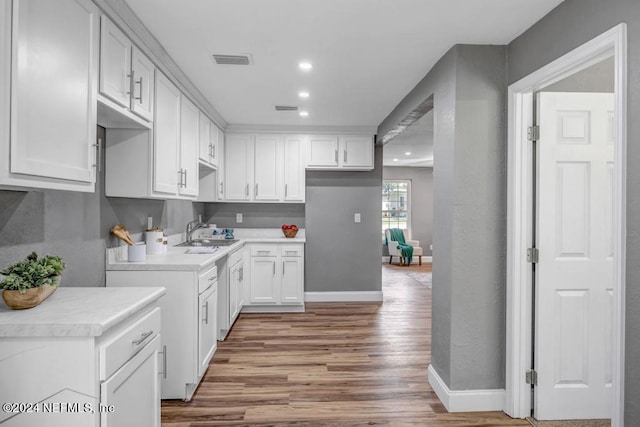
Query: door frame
[[520, 216]]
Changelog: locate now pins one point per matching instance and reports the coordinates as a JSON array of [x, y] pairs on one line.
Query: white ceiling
[[417, 139], [366, 54]]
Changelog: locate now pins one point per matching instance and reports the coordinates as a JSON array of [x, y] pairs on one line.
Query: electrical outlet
[[356, 217], [239, 218]]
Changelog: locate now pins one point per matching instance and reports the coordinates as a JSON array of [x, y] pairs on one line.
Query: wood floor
[[335, 365]]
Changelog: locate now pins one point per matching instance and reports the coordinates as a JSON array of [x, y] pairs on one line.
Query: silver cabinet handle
[[143, 337], [263, 252], [212, 278], [286, 192], [164, 362], [246, 190], [274, 268], [210, 150], [242, 273], [336, 155], [213, 151], [139, 82], [206, 312], [256, 188], [345, 156], [180, 179], [98, 164], [283, 268], [221, 187], [185, 178]]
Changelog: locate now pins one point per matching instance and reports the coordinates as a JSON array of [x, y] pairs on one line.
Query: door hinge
[[533, 133], [532, 255], [531, 377]]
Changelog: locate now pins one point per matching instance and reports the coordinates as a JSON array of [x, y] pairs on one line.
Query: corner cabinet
[[48, 110], [344, 152], [276, 277]]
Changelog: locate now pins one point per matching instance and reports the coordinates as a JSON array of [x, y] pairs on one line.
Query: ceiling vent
[[287, 108], [237, 59]]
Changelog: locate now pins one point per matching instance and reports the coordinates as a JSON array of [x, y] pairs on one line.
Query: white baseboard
[[415, 258], [347, 296], [466, 400]]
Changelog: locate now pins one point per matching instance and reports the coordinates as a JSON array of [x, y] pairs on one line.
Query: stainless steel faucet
[[193, 226]]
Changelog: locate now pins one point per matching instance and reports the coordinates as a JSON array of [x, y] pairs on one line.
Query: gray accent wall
[[341, 255], [76, 226], [421, 202], [571, 24], [469, 238]]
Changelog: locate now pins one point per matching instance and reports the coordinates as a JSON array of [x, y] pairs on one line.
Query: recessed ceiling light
[[304, 113], [395, 160], [305, 66], [408, 153], [303, 94]]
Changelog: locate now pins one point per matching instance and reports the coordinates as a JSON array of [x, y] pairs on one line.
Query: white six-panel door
[[574, 275]]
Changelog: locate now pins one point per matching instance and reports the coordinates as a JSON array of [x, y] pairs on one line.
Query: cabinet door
[[265, 280], [221, 166], [166, 126], [322, 151], [134, 391], [234, 282], [241, 284], [215, 136], [207, 329], [292, 281], [54, 89], [267, 167], [237, 169], [204, 138], [357, 152], [142, 70], [115, 63], [294, 180], [189, 129]]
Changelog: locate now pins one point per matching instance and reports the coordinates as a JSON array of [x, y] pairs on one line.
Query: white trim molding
[[465, 400], [343, 296], [520, 217], [385, 259]]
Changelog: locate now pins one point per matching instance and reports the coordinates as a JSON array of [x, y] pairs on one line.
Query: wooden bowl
[[290, 232], [30, 298]]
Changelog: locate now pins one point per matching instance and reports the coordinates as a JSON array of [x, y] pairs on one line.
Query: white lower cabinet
[[277, 277], [236, 285], [189, 323]]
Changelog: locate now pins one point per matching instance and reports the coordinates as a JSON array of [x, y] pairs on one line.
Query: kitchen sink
[[208, 242]]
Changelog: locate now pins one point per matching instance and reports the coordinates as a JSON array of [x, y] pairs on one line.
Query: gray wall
[[571, 24], [255, 215], [341, 255], [421, 203], [76, 226], [468, 85]]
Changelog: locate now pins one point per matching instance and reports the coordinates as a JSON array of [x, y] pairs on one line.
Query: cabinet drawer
[[122, 347], [264, 250], [292, 250], [206, 279]]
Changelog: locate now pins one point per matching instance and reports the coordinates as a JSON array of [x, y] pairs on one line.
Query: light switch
[[356, 217], [239, 218]]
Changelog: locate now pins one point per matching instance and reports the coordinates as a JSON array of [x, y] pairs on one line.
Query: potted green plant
[[30, 281]]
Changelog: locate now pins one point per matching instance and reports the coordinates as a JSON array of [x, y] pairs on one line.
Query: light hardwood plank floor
[[340, 364]]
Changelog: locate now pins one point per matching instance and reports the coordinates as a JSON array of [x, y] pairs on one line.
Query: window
[[395, 205]]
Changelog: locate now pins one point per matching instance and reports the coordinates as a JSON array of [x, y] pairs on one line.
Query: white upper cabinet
[[126, 74], [204, 138], [48, 124], [322, 151], [167, 176], [189, 129], [238, 165], [294, 179], [267, 167], [142, 70], [329, 152], [216, 140], [357, 152]]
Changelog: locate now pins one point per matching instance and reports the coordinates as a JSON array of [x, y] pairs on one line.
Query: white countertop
[[176, 258], [76, 312]]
